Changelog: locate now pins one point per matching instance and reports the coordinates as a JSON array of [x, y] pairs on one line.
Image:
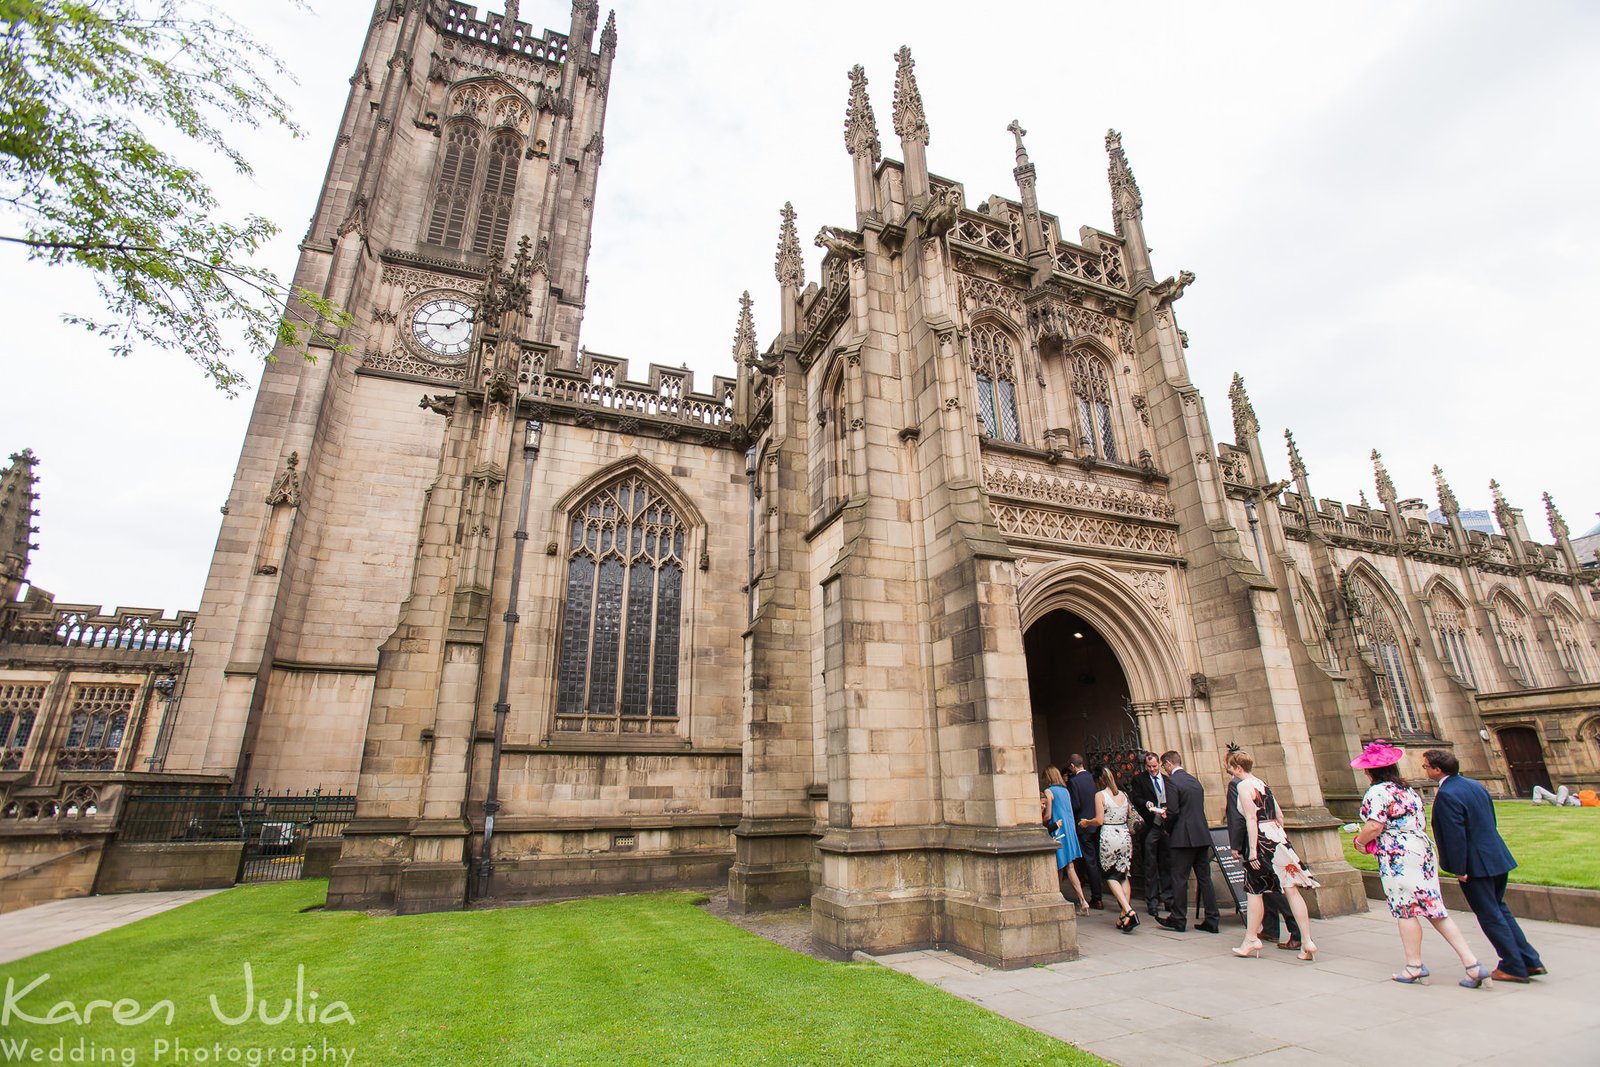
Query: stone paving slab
[[61, 922], [1170, 1000]]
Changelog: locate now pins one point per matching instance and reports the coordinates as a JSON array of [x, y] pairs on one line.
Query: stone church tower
[[816, 628]]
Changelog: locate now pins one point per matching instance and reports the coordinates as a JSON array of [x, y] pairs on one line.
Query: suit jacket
[[1082, 788], [1186, 812], [1143, 795], [1464, 826]]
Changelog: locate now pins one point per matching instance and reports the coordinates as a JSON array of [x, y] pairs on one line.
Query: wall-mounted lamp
[[535, 435], [1483, 732]]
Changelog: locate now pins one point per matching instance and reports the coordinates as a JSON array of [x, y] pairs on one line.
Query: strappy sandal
[[1476, 976], [1414, 973]]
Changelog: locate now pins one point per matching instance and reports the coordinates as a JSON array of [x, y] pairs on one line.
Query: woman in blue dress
[[1055, 808]]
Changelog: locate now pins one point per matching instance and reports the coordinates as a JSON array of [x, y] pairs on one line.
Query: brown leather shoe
[[1506, 976], [1291, 945], [1534, 972]]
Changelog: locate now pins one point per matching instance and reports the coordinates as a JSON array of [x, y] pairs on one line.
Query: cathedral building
[[565, 624]]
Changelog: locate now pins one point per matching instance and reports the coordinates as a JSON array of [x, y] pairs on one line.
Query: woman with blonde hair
[[1270, 863], [1111, 814], [1055, 805]]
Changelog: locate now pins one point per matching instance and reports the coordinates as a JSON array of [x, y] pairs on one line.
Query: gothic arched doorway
[[1081, 702]]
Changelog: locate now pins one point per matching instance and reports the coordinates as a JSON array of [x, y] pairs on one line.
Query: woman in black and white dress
[[1111, 814]]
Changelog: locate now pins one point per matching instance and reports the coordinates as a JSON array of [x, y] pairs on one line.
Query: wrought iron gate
[[272, 829]]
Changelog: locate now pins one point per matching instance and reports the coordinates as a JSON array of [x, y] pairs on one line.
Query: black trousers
[[1198, 860], [1089, 863], [1157, 859], [1274, 905]]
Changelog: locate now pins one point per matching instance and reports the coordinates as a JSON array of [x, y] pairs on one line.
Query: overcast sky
[[1390, 208]]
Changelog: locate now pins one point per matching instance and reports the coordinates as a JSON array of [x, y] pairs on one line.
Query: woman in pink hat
[[1393, 827]]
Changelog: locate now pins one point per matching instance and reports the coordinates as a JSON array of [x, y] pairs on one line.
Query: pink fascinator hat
[[1379, 753]]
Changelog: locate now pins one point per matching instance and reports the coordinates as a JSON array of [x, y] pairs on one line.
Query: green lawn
[[639, 979], [1553, 846]]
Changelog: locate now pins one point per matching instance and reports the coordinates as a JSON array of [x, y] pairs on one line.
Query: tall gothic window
[[619, 644], [838, 443], [499, 189], [1511, 627], [994, 365], [1377, 630], [1568, 645], [452, 193], [1091, 390], [1451, 630]]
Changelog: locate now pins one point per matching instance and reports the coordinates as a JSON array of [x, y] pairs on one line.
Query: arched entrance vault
[[1144, 647]]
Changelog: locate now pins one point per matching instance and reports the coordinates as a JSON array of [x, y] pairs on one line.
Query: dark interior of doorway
[[1078, 689]]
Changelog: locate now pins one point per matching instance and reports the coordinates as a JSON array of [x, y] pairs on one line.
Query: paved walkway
[[1172, 1000], [61, 922]]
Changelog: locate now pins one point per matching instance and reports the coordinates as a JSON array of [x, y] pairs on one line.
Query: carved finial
[[860, 126], [744, 335], [910, 122], [17, 512], [791, 269], [1447, 499], [1499, 497], [1558, 525], [1297, 466], [1016, 130], [510, 20], [1126, 203], [1244, 416], [286, 486], [1361, 494], [522, 262], [1386, 491], [541, 258], [608, 36]]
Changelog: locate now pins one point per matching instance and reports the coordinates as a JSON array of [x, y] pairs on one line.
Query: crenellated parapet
[[90, 626], [598, 392], [462, 21]]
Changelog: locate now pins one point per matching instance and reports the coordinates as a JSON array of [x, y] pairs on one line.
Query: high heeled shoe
[[1127, 921], [1249, 948], [1414, 973], [1308, 952], [1476, 976], [1083, 907]]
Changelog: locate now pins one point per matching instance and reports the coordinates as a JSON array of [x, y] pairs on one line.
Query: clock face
[[443, 327]]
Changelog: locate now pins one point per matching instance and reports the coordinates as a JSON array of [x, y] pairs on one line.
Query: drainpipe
[[502, 706], [1255, 534], [750, 575]]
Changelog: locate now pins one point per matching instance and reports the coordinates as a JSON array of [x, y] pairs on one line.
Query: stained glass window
[[499, 190], [1374, 623], [96, 727], [1447, 614], [620, 631], [1510, 621]]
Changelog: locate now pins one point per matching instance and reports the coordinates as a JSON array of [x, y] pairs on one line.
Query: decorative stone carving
[[1386, 491], [1170, 290], [1142, 406], [1051, 524], [1447, 498], [909, 120], [744, 334], [286, 486], [1024, 480], [1558, 525], [1126, 203], [385, 316], [1244, 415], [980, 293], [790, 268], [1297, 466], [860, 127], [1200, 687], [840, 242], [439, 403]]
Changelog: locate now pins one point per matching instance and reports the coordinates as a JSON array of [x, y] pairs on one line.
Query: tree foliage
[[87, 88]]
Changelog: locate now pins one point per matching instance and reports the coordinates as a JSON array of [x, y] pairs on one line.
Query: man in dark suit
[[1080, 783], [1273, 904], [1189, 840], [1148, 792], [1470, 847]]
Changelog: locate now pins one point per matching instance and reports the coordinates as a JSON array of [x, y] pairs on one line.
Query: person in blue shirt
[[1055, 805]]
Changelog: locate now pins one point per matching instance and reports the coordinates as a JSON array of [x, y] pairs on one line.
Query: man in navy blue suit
[[1470, 847]]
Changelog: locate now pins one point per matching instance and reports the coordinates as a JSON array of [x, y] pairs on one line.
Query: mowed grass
[[647, 979], [1553, 846]]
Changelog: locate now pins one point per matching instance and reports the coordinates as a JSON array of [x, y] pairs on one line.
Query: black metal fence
[[273, 827]]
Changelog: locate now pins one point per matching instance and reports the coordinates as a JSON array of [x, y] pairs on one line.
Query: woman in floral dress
[[1270, 862], [1111, 810], [1394, 829]]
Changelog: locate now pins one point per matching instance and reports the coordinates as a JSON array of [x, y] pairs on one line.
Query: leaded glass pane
[[607, 634], [119, 724], [1086, 424], [80, 725], [636, 661], [24, 729], [1008, 411], [664, 701], [986, 404], [1108, 441], [573, 671], [5, 728]]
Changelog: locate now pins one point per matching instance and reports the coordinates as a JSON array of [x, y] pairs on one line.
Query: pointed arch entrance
[[1105, 675]]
